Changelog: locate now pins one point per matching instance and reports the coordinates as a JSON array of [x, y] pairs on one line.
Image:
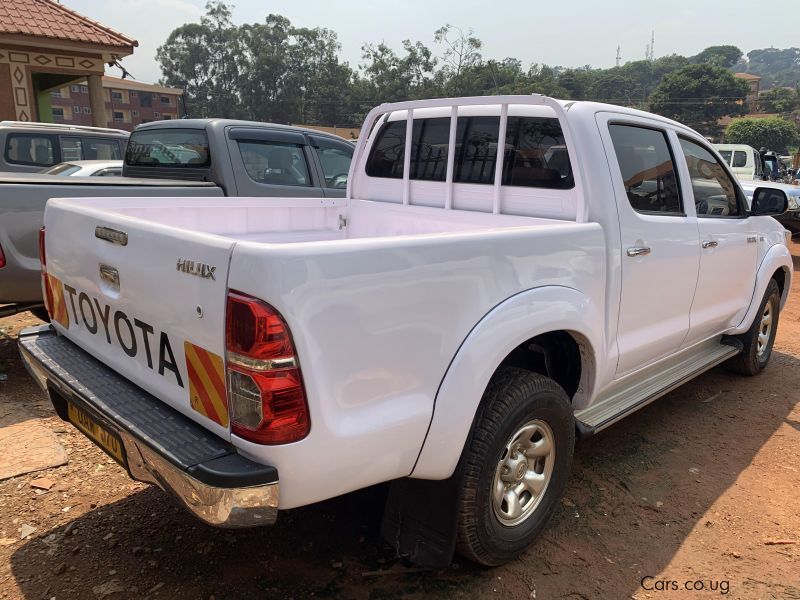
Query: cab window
[[535, 153], [275, 163]]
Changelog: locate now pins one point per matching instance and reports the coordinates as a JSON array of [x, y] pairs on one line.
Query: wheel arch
[[777, 264], [522, 331]]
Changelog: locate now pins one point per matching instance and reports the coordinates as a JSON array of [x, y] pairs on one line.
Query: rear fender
[[509, 324]]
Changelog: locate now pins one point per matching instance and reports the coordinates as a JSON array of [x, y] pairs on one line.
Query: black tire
[[41, 313], [513, 398], [749, 361]]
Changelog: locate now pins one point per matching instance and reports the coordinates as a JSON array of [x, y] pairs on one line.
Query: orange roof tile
[[746, 76], [45, 18]]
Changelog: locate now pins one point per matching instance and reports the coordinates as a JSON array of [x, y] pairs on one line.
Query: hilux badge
[[198, 269]]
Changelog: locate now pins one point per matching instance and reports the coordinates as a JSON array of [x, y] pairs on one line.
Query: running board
[[640, 389]]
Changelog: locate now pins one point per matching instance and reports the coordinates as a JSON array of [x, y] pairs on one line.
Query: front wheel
[[516, 465], [759, 339]]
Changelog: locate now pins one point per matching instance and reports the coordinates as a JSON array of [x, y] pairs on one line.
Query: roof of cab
[[213, 123]]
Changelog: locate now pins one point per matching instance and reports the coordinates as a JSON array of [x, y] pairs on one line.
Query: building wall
[[125, 108], [25, 63], [8, 111]]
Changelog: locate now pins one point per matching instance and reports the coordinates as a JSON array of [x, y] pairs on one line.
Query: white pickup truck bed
[[370, 305], [282, 221]]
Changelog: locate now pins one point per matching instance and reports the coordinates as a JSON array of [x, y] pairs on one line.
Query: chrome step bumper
[[161, 446]]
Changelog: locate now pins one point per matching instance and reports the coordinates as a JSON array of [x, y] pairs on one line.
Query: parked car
[[791, 218], [744, 161], [190, 157], [30, 147], [86, 168], [524, 271]]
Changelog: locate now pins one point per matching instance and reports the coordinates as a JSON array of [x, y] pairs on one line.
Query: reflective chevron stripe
[[206, 372]]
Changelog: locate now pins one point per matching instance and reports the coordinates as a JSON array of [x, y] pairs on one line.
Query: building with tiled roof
[[753, 83], [43, 47]]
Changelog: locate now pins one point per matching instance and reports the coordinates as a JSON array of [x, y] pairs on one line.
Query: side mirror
[[769, 202]]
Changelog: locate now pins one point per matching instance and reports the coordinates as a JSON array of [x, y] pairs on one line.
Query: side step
[[640, 389]]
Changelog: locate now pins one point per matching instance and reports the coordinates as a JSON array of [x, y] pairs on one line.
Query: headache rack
[[559, 108]]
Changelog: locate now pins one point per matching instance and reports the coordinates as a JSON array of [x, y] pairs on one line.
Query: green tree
[[460, 57], [779, 100], [616, 88], [263, 79], [202, 58], [721, 56], [699, 95], [774, 133], [577, 81], [777, 67]]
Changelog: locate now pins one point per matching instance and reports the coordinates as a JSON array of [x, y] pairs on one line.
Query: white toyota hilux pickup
[[504, 275]]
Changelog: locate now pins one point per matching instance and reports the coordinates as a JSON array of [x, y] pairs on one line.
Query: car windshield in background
[[168, 148]]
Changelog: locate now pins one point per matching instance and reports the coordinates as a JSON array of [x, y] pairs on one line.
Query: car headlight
[[793, 204]]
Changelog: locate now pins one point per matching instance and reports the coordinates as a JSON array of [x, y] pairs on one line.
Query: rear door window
[[647, 168], [739, 159], [275, 163], [726, 154], [31, 149]]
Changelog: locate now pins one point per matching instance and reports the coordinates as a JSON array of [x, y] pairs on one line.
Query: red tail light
[[2, 258], [265, 388], [48, 292]]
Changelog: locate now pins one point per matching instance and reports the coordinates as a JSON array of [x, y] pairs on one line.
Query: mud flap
[[421, 518]]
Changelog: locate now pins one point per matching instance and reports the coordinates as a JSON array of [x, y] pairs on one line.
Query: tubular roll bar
[[376, 113]]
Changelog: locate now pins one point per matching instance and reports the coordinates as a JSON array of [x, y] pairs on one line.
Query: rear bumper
[[160, 445]]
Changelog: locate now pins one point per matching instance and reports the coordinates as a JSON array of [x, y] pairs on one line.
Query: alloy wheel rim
[[764, 330], [523, 473]]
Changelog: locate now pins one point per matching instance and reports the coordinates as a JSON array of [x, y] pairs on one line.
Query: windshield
[[168, 148], [62, 169]]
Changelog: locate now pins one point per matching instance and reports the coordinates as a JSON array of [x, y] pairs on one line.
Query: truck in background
[[190, 157]]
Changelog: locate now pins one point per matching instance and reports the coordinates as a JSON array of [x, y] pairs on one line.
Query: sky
[[570, 34]]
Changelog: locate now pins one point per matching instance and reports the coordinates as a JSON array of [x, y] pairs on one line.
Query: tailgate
[[146, 299]]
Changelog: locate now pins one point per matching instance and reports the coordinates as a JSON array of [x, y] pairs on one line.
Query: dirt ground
[[700, 488]]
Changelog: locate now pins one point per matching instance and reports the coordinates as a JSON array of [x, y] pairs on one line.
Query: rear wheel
[[759, 339], [516, 465]]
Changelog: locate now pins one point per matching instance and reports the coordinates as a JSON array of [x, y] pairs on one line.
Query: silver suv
[[31, 147]]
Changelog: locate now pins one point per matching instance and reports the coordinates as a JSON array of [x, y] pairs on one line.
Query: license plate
[[92, 429]]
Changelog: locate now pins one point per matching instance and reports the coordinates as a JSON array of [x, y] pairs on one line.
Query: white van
[[745, 161]]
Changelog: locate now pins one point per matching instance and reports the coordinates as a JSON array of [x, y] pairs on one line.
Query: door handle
[[710, 244], [638, 251]]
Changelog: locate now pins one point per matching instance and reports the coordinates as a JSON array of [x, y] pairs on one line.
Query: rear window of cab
[[535, 152], [172, 148]]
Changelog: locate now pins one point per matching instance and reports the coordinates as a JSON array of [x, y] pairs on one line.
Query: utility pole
[[619, 56]]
